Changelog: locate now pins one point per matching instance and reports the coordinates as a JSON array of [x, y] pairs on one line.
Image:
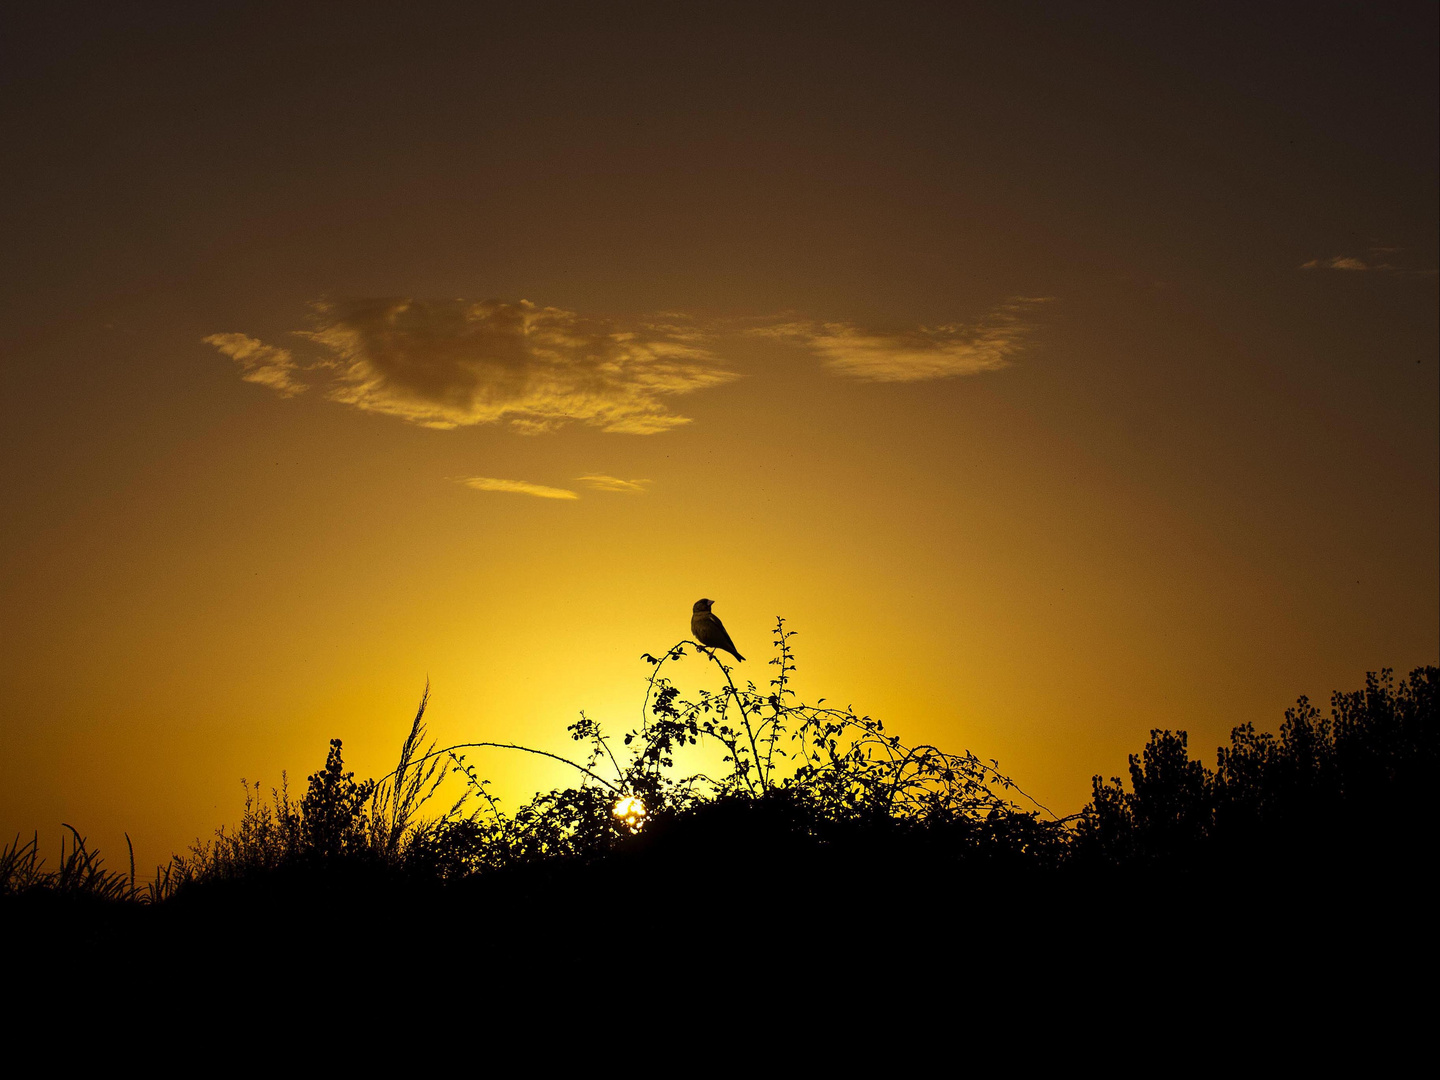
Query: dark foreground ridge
[[1308, 848]]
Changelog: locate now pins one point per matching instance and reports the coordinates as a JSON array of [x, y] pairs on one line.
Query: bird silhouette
[[709, 630]]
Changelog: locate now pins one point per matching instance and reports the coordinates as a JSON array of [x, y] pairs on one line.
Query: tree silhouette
[[333, 820], [1326, 793]]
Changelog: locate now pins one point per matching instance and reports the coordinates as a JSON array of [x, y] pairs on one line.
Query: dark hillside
[[1305, 855]]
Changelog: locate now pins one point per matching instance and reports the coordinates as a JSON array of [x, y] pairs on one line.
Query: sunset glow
[[1057, 373]]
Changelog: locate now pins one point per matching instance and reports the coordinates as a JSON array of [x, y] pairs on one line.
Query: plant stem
[[745, 718], [512, 746]]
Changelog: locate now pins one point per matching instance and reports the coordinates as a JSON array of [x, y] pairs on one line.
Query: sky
[[1057, 372]]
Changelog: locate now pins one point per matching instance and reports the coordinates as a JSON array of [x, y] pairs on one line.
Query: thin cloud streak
[[1375, 259], [267, 365], [517, 487], [939, 352], [613, 483], [1343, 262]]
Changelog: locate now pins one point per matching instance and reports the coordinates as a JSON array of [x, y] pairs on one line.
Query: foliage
[[1322, 789], [1166, 815], [825, 779], [837, 771], [833, 767], [338, 819]]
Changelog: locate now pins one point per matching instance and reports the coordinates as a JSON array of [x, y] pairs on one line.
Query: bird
[[709, 630]]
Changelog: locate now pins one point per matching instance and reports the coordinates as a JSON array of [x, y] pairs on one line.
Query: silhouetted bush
[[333, 821], [1327, 792], [837, 778], [810, 794]]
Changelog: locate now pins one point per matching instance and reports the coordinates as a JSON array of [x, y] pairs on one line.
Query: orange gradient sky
[[1057, 372]]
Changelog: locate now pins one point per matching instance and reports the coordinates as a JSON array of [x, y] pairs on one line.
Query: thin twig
[[513, 746], [745, 717]]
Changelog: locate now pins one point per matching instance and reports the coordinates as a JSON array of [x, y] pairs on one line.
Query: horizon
[[1056, 375]]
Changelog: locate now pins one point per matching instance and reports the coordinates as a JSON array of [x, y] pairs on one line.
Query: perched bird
[[709, 630]]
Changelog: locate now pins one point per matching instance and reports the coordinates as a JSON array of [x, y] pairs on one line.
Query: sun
[[630, 812]]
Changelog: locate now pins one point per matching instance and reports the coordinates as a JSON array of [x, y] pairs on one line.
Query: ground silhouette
[[1294, 846]]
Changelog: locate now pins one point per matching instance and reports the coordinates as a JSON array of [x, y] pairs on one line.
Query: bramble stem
[[745, 718], [670, 654], [512, 746]]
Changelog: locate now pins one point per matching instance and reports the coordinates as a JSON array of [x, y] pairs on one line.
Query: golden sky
[[1057, 373]]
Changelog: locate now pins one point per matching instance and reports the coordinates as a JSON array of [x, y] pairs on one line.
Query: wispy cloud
[[1344, 262], [939, 352], [267, 365], [517, 487], [613, 483], [452, 363], [1376, 258]]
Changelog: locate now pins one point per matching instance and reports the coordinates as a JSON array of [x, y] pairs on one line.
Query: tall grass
[[80, 872]]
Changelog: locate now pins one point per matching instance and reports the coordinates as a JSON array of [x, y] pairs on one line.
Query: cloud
[[451, 363], [517, 487], [1344, 262], [612, 483], [1376, 258], [939, 352], [267, 365], [455, 363]]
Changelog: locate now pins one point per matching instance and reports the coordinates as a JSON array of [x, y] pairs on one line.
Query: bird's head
[[703, 605]]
